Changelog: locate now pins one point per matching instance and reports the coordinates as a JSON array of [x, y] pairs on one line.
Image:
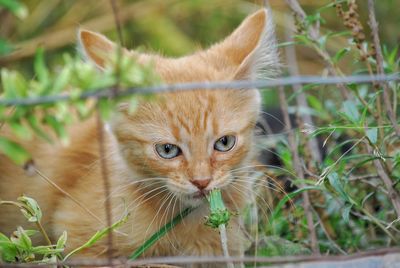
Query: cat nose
[[201, 183]]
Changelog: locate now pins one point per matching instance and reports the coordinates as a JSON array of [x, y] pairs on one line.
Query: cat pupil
[[224, 140], [167, 148]]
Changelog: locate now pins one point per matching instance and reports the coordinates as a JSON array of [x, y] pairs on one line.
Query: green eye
[[225, 143], [168, 150]]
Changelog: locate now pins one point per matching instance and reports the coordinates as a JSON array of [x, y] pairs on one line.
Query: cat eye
[[167, 150], [225, 143]]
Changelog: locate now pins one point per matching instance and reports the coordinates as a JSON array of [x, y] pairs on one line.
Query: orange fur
[[192, 120]]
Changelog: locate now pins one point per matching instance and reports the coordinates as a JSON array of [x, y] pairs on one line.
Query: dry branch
[[379, 63], [299, 171]]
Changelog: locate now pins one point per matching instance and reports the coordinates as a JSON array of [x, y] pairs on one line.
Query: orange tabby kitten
[[164, 157]]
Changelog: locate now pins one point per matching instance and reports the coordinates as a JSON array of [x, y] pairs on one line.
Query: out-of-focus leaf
[[34, 207], [58, 127], [346, 213], [8, 250], [340, 54], [5, 47], [35, 125], [14, 151], [351, 111], [40, 67], [335, 182], [372, 134], [62, 241], [16, 7]]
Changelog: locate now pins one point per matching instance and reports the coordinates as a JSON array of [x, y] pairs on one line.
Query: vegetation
[[336, 191]]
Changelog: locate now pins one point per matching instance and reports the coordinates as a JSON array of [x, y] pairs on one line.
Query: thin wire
[[262, 84]]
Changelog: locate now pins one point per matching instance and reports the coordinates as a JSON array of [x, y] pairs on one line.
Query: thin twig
[[379, 64], [299, 172], [263, 84], [117, 21], [106, 181], [392, 193], [313, 35], [300, 96], [73, 199]]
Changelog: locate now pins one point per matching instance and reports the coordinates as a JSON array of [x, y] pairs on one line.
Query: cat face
[[194, 141]]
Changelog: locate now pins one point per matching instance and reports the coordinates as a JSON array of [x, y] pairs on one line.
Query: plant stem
[[299, 172], [379, 64], [224, 244]]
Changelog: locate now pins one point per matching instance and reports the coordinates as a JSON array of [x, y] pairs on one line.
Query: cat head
[[194, 141]]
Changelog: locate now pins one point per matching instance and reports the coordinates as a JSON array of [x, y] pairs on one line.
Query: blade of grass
[[160, 233]]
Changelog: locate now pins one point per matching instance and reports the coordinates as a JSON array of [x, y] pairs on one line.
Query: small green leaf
[[372, 134], [46, 250], [340, 54], [33, 206], [98, 235], [61, 81], [351, 111], [14, 151], [40, 67], [15, 6], [58, 128], [335, 182], [20, 130], [62, 241], [8, 251], [106, 108], [22, 239], [346, 213], [5, 47], [35, 125]]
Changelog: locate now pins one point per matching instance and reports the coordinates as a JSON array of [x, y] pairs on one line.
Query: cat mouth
[[200, 194]]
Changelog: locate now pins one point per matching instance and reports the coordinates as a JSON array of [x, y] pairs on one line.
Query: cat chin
[[191, 201]]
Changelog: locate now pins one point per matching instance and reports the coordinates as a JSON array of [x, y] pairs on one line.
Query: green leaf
[[351, 111], [288, 197], [20, 130], [14, 151], [5, 47], [8, 251], [62, 241], [35, 125], [372, 134], [61, 81], [58, 127], [346, 213], [98, 235], [335, 182], [160, 233], [21, 239], [340, 54], [40, 67], [15, 6], [106, 108], [34, 208], [46, 250]]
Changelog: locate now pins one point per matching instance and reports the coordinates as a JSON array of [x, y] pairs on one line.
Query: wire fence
[[261, 84]]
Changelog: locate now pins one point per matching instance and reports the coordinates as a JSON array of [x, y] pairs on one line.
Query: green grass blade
[[160, 233]]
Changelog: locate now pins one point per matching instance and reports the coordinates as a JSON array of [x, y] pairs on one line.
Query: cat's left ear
[[97, 48], [251, 48]]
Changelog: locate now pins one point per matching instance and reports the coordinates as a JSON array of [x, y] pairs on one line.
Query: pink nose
[[201, 183]]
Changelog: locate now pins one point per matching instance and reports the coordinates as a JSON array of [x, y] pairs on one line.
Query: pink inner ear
[[97, 48]]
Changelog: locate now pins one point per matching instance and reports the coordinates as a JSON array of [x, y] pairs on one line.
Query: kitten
[[164, 157]]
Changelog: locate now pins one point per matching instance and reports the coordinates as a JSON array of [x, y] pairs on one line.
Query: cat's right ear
[[96, 48]]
